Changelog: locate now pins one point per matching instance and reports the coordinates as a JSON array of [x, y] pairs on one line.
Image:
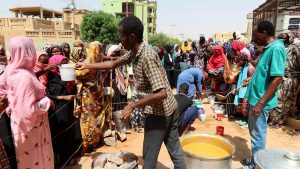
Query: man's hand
[[126, 112], [257, 109], [80, 66], [3, 103], [246, 82]]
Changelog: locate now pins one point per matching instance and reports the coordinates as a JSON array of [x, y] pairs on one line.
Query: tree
[[100, 26], [162, 39]]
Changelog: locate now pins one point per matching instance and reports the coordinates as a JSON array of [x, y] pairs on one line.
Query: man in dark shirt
[[187, 113]]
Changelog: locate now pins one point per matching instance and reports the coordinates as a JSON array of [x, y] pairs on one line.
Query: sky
[[178, 18]]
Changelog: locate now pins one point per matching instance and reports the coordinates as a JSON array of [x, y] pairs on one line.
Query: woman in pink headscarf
[[62, 119], [28, 107]]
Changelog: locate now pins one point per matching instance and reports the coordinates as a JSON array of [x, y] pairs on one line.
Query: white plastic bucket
[[67, 72]]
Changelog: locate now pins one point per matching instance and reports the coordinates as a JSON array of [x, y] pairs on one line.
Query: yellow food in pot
[[206, 150]]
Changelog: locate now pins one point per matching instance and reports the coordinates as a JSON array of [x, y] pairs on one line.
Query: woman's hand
[[54, 66], [52, 105], [69, 97]]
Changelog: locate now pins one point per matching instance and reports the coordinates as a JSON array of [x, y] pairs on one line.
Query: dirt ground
[[282, 138]]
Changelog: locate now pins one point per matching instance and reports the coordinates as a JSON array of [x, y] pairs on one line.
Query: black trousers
[[5, 136], [159, 129]]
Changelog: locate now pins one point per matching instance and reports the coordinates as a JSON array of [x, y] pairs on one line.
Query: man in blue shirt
[[192, 77], [262, 89]]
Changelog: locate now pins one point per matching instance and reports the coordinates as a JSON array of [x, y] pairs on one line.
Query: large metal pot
[[196, 162], [275, 158]]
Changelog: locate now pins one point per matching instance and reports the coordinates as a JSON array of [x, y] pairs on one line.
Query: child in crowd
[[186, 111], [138, 113]]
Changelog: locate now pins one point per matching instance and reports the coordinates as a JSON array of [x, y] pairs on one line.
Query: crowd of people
[[47, 122]]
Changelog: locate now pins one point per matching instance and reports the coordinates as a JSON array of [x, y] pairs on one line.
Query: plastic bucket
[[67, 72], [220, 130], [202, 117], [219, 117], [121, 125]]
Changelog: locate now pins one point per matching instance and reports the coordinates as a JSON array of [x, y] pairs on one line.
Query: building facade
[[249, 27], [145, 10], [42, 25], [223, 37], [284, 14]]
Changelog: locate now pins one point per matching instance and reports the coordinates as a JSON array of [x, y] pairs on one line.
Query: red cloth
[[40, 66], [217, 60], [237, 45], [57, 59]]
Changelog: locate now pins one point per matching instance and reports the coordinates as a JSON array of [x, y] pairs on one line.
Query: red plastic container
[[220, 130], [219, 117]]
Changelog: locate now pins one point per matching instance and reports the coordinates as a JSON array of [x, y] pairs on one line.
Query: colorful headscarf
[[93, 56], [78, 43], [288, 36], [57, 59], [77, 53], [217, 59], [251, 49], [237, 45], [41, 66], [93, 53]]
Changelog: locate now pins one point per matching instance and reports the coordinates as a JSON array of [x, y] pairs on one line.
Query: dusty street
[[239, 136]]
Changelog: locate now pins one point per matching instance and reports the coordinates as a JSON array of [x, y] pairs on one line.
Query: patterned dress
[[288, 91], [91, 105], [200, 56]]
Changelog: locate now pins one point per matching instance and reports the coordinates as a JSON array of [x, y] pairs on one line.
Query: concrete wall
[[41, 37], [249, 27]]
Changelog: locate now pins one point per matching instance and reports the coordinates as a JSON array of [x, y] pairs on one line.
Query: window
[[293, 27], [294, 21]]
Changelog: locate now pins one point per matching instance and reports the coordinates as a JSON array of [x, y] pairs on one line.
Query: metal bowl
[[194, 162]]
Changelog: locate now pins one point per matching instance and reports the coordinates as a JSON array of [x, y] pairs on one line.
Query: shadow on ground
[[159, 164], [291, 131], [242, 151]]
